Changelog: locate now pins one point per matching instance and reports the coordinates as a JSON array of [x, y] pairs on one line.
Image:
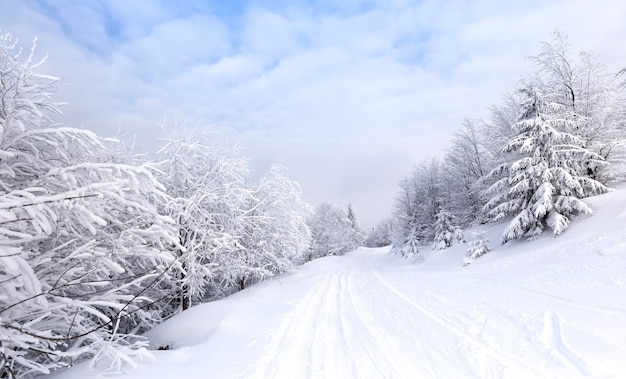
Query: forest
[[99, 243], [555, 139]]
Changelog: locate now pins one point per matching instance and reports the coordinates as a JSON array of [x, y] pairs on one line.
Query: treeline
[[97, 244], [334, 231], [555, 139]]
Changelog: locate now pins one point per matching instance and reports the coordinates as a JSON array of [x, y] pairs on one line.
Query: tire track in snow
[[384, 359], [338, 327], [552, 337], [411, 356], [431, 351], [462, 335], [289, 354]]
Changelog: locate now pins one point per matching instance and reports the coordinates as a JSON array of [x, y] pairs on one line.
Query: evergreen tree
[[446, 232], [410, 247], [477, 247], [542, 186], [357, 232], [589, 98]]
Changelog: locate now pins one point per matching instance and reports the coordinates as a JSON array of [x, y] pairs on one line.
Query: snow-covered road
[[372, 315], [553, 308], [369, 317]]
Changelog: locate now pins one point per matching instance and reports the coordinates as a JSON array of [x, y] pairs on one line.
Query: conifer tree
[[542, 186], [357, 232], [477, 247], [446, 232]]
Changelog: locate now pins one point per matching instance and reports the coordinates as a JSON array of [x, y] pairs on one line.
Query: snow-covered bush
[[477, 247]]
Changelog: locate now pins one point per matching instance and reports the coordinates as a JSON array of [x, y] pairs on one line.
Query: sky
[[348, 95]]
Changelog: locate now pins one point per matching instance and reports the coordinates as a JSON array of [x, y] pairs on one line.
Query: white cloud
[[347, 97]]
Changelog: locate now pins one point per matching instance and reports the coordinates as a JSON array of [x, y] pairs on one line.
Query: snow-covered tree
[[410, 245], [418, 203], [277, 235], [477, 247], [81, 244], [331, 231], [589, 99], [466, 164], [542, 186], [357, 231], [381, 234], [208, 200], [446, 231]]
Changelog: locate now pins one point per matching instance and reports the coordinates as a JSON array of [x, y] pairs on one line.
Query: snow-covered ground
[[553, 308]]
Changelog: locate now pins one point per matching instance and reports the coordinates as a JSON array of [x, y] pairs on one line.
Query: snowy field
[[553, 308]]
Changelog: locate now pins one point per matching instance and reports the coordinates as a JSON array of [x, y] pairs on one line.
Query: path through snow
[[372, 315]]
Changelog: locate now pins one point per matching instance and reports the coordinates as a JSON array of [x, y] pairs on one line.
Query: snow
[[551, 308]]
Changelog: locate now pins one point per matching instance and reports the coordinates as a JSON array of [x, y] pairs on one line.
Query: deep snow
[[552, 308]]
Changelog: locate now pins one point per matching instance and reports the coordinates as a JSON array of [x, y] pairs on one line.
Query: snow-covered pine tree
[[410, 247], [590, 98], [357, 231], [542, 187], [477, 247], [446, 231]]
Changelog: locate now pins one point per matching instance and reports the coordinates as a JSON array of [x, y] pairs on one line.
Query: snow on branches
[[446, 231], [544, 184], [81, 244], [332, 232]]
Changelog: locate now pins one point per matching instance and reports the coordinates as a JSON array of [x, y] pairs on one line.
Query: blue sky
[[347, 95]]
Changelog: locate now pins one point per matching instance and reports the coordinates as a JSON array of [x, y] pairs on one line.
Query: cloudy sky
[[348, 95]]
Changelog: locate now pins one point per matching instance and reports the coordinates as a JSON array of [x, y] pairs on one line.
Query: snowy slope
[[553, 308]]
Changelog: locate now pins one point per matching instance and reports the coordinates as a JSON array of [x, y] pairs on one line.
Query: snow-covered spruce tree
[[277, 236], [208, 201], [590, 99], [477, 247], [410, 246], [543, 186], [80, 242], [446, 231], [331, 232], [357, 231]]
